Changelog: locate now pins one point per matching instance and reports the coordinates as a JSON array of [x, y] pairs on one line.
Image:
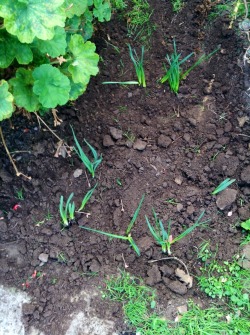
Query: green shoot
[[164, 238], [90, 165], [121, 82], [227, 182], [128, 236], [174, 74], [19, 194], [67, 212], [246, 224], [138, 65], [86, 198]]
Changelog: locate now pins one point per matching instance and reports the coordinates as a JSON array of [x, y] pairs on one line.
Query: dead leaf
[[184, 277], [242, 120], [62, 150]]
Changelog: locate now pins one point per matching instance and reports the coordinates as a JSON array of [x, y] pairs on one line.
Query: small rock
[[43, 257], [182, 309], [139, 145], [192, 121], [245, 260], [95, 266], [179, 180], [177, 287], [244, 213], [242, 120], [164, 141], [179, 207], [154, 275], [77, 173], [190, 209], [107, 141], [28, 309], [115, 133], [245, 174], [226, 198]]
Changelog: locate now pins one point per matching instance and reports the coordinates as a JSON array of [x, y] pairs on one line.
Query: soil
[[154, 143]]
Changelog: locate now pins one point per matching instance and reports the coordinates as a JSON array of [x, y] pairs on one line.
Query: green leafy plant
[[19, 194], [177, 5], [246, 224], [119, 5], [127, 236], [90, 165], [67, 212], [228, 281], [86, 198], [227, 182], [204, 252], [164, 238], [138, 65], [50, 62], [174, 75], [233, 8]]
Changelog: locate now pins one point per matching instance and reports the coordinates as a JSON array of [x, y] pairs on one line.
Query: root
[[18, 173], [175, 258]]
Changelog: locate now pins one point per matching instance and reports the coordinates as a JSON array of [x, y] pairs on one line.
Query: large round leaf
[[84, 61], [54, 47], [12, 48], [6, 98], [51, 86], [23, 90], [75, 7], [28, 19]]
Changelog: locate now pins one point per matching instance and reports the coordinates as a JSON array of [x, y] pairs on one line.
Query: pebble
[[179, 180], [43, 257], [107, 141], [226, 198], [77, 173], [139, 145], [115, 133], [177, 287], [164, 141]]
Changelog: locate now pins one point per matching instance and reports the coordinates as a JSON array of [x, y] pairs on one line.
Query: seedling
[[138, 65], [174, 74], [204, 252], [90, 165], [127, 236], [246, 225], [68, 212], [171, 201], [177, 5], [164, 238], [62, 258], [86, 198], [19, 194], [227, 182]]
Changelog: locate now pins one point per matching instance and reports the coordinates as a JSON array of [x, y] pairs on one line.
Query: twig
[[87, 179], [10, 157], [125, 264], [122, 209], [175, 258]]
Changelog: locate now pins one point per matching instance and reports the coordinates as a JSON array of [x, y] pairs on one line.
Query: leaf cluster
[[51, 61]]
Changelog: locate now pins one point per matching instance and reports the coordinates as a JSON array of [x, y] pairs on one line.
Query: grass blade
[[86, 198], [227, 182], [104, 233], [135, 216]]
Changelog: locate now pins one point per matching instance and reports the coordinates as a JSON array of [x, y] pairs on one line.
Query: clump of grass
[[164, 237], [127, 236], [90, 165], [138, 65], [174, 74]]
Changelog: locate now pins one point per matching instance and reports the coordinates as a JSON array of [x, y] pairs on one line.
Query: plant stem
[[18, 173]]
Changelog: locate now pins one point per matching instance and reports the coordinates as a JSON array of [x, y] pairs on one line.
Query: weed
[[127, 236], [119, 5], [62, 258], [204, 252], [177, 5], [86, 198], [138, 65], [118, 181], [129, 136], [174, 74], [67, 212], [228, 281], [233, 8], [19, 194], [164, 238], [223, 185], [246, 225], [90, 165], [171, 201], [48, 217], [53, 281]]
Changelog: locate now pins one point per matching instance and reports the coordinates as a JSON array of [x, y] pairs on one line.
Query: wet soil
[[154, 143]]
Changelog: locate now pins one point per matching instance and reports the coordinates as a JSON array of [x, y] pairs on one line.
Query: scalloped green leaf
[[77, 89], [246, 224], [23, 90], [6, 98], [12, 48], [28, 19], [54, 47], [102, 10], [88, 28], [75, 7], [51, 86], [84, 61]]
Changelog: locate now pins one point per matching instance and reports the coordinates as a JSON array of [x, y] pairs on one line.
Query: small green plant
[[119, 5], [127, 236], [174, 75], [177, 5], [62, 258], [67, 212], [19, 194], [204, 252], [138, 65], [235, 9], [86, 198], [164, 238], [227, 182], [171, 201], [228, 281], [246, 225], [90, 165]]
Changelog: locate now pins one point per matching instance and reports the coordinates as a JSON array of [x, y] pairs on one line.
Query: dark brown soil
[[189, 144]]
